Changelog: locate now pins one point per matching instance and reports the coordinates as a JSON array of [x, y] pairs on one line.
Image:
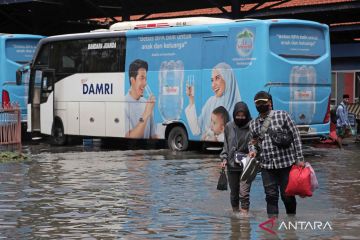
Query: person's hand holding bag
[[222, 182]]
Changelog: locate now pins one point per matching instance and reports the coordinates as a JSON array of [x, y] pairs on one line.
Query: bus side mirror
[[18, 77]]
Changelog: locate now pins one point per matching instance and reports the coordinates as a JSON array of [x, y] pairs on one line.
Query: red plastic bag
[[299, 182]]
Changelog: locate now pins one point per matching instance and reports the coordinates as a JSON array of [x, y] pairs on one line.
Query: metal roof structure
[[50, 17]]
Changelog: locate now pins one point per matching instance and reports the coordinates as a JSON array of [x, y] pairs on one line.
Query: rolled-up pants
[[239, 190], [273, 180]]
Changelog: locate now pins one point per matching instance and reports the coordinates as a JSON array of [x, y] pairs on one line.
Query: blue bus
[[178, 79], [16, 50]]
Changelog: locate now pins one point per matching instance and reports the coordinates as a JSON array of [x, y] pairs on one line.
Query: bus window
[[297, 42], [209, 55], [89, 56], [47, 81], [68, 65], [20, 50], [66, 57], [43, 58], [101, 55]]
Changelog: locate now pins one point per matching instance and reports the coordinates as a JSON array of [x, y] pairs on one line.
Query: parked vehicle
[[169, 78], [16, 51]]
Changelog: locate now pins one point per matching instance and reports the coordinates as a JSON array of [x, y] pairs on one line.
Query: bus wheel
[[58, 138], [178, 139]]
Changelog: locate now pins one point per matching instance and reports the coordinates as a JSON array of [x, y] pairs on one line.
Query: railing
[[355, 109], [10, 128]]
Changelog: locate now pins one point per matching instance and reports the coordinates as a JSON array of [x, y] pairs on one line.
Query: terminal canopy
[[51, 17]]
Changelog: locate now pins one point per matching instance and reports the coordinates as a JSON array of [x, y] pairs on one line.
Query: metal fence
[[10, 128]]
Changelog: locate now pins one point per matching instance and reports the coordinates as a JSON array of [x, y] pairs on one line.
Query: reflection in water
[[158, 194], [240, 228]]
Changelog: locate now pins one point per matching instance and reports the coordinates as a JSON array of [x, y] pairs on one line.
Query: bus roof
[[87, 35], [171, 25], [172, 22], [186, 22], [10, 35]]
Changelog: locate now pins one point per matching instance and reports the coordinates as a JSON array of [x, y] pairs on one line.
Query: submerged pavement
[[93, 193]]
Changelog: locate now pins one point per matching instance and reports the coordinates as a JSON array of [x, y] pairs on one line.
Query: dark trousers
[[273, 179], [239, 190]]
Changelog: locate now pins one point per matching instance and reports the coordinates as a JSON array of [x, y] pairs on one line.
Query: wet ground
[[91, 193]]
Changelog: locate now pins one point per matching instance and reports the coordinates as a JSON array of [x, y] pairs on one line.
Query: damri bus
[[178, 79], [15, 51]]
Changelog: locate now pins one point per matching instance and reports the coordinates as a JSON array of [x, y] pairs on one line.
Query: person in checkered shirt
[[275, 161]]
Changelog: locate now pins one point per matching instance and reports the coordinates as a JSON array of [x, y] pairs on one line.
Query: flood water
[[77, 193]]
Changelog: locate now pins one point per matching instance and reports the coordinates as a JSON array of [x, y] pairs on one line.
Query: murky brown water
[[156, 194]]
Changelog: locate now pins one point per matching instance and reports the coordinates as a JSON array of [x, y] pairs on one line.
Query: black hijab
[[241, 107]]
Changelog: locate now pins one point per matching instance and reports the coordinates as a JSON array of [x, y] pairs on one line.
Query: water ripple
[[146, 194]]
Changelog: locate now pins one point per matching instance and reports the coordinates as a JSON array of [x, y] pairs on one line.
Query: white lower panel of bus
[[47, 115], [72, 118], [115, 115], [93, 104], [92, 118], [101, 119]]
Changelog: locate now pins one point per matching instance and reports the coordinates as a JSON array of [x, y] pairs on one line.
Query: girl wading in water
[[237, 137]]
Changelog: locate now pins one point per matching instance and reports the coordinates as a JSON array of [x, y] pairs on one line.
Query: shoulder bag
[[252, 165]]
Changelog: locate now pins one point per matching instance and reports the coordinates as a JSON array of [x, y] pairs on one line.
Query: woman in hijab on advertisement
[[237, 137], [226, 94]]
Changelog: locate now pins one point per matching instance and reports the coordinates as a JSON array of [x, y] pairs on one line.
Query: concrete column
[[340, 87]]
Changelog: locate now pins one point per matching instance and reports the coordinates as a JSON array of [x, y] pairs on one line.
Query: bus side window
[[65, 58], [102, 59], [122, 54], [68, 65]]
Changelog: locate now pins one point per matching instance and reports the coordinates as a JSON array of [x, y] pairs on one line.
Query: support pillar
[[235, 9]]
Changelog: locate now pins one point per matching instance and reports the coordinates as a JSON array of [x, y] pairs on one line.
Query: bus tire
[[178, 139], [58, 137]]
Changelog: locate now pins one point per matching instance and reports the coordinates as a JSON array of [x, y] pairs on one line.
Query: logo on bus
[[170, 90], [245, 42], [98, 88], [303, 95]]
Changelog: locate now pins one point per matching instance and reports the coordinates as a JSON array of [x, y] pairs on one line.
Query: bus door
[[47, 101], [213, 51], [40, 107], [33, 107], [38, 70]]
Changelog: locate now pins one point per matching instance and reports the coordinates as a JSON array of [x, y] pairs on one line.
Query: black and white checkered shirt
[[271, 156]]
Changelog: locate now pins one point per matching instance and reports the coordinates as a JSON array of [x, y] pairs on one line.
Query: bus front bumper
[[314, 132]]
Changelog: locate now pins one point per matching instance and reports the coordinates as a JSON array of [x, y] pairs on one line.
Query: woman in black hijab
[[237, 137]]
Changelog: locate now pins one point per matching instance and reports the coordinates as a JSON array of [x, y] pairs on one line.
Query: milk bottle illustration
[[302, 94], [171, 77]]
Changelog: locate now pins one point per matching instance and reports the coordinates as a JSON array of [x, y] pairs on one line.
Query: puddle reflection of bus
[[178, 79]]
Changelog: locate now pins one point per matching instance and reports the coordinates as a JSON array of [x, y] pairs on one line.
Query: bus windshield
[[297, 42], [20, 50]]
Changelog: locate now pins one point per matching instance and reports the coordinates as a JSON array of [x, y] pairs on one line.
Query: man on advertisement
[[139, 121]]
